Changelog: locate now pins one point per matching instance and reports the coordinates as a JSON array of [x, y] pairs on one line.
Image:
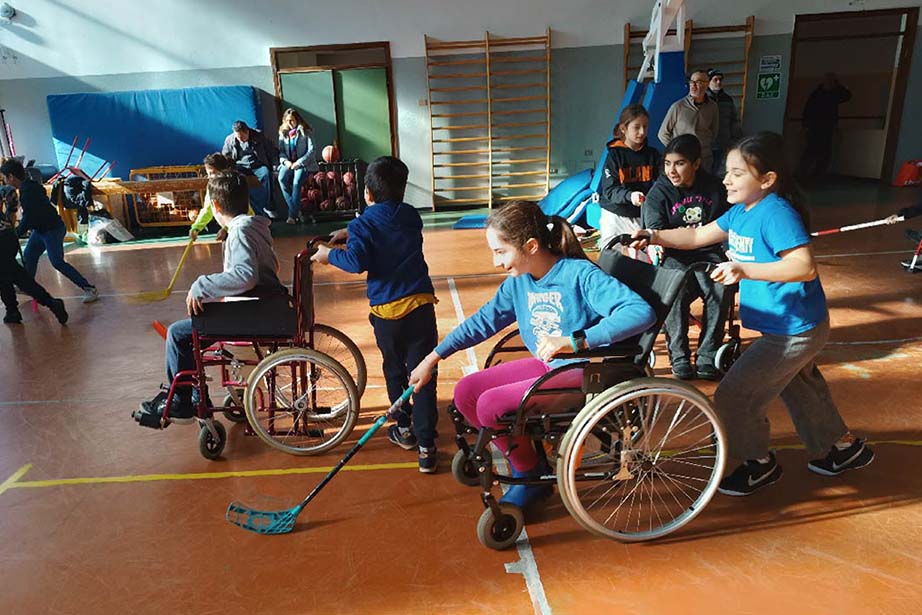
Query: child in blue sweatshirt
[[561, 302], [387, 242]]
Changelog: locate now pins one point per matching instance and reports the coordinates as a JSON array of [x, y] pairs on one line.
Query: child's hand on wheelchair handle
[[728, 273], [322, 255], [642, 239], [550, 346]]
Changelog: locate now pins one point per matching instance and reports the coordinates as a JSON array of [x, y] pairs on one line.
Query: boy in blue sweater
[[387, 242]]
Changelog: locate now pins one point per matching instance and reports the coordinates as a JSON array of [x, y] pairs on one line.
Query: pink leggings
[[484, 396]]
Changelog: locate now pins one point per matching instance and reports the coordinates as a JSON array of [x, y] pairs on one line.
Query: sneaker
[[428, 459], [526, 495], [751, 476], [406, 441], [707, 371], [13, 317], [683, 370], [837, 461], [57, 308], [913, 235], [291, 221], [181, 412], [90, 294]]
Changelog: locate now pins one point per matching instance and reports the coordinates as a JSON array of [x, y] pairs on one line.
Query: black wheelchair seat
[[265, 317]]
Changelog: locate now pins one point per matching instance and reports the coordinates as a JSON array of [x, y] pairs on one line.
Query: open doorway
[[345, 92], [854, 66]]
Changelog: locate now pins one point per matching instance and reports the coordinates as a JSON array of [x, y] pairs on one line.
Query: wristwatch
[[578, 339]]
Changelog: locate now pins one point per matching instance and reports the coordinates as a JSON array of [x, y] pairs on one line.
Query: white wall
[[97, 37]]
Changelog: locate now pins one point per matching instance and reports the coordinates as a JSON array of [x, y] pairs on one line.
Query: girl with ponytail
[[782, 298], [561, 301]]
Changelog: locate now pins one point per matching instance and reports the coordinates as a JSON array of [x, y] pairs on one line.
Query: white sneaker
[[90, 294]]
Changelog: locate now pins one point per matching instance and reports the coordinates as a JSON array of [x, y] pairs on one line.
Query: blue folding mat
[[147, 128]]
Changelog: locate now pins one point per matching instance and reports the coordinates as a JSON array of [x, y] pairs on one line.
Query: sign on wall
[[768, 83]]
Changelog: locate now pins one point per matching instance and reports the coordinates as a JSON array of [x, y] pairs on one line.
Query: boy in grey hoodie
[[250, 267]]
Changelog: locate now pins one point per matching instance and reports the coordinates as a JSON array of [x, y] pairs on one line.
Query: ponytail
[[519, 221]]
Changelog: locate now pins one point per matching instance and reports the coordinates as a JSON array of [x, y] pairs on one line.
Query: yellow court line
[[146, 478], [11, 481]]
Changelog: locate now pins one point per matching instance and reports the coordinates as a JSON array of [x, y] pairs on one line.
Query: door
[[868, 53], [311, 94], [363, 113]]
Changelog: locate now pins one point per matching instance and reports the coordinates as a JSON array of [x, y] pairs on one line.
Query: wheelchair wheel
[[641, 460], [208, 446], [301, 401], [334, 343], [500, 532], [464, 470], [233, 409], [727, 355]]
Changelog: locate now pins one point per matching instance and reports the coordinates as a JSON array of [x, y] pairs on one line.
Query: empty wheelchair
[[305, 379], [635, 457]]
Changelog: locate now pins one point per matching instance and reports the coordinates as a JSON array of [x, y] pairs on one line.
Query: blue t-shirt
[[575, 294], [759, 236]]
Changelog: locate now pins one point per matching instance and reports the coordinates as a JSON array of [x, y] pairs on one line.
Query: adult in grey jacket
[[254, 155], [297, 158], [250, 267], [729, 130], [695, 115]]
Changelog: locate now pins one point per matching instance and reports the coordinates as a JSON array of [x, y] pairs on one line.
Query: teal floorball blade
[[261, 521]]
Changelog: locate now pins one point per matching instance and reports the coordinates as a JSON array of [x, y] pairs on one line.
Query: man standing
[[253, 155], [729, 129], [694, 115], [821, 115]]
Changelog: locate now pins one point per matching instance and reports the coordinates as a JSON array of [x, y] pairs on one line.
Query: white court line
[[527, 566]]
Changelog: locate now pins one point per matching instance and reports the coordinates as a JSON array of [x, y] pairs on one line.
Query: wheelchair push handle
[[625, 239], [312, 243]]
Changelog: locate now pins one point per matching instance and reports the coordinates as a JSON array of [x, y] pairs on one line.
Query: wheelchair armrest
[[612, 351]]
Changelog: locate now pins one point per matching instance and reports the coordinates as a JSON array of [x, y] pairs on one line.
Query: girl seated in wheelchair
[[561, 302], [686, 196]]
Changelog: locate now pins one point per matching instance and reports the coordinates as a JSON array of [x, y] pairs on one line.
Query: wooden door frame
[[895, 113], [386, 65]]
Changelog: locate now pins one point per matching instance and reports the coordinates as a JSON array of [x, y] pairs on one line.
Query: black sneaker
[[13, 317], [707, 371], [855, 456], [405, 441], [428, 460], [683, 370], [57, 308], [181, 412], [751, 476]]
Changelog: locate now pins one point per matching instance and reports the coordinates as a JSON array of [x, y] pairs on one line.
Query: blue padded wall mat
[[471, 221], [147, 128]]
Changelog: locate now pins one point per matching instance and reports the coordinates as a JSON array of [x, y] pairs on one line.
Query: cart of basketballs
[[336, 190]]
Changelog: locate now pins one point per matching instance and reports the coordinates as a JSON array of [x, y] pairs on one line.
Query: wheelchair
[[730, 350], [303, 391], [635, 457]]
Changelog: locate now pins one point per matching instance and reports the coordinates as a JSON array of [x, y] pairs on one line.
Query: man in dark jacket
[[254, 155], [821, 115], [729, 129]]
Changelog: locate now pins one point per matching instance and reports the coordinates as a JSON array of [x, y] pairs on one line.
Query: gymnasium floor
[[99, 515]]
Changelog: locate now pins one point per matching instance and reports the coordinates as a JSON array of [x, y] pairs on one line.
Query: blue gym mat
[[471, 221]]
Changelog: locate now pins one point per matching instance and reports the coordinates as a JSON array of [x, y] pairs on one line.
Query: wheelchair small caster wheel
[[727, 355], [208, 445], [501, 532], [464, 470], [233, 412]]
